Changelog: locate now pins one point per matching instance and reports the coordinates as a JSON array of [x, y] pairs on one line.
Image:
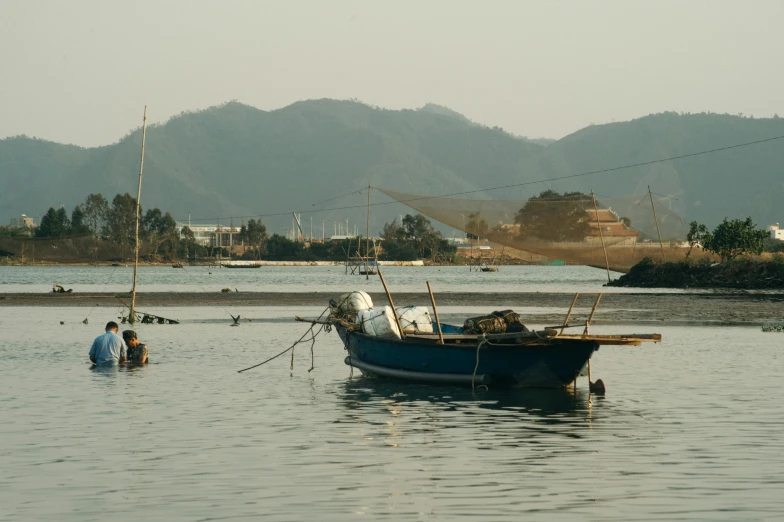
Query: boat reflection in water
[[395, 411]]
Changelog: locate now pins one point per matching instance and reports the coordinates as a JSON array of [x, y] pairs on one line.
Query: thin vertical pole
[[435, 312], [593, 311], [367, 237], [601, 236], [569, 313], [650, 195], [392, 304], [131, 315]]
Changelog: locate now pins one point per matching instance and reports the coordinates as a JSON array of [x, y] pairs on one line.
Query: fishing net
[[572, 227]]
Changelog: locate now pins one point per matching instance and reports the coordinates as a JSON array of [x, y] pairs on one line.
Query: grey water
[[306, 279], [691, 429]]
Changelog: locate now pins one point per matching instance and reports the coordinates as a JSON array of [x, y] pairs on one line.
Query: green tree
[[120, 226], [161, 231], [279, 248], [390, 230], [696, 235], [552, 216], [256, 236], [156, 223], [55, 223], [419, 231], [95, 210], [734, 238], [78, 223], [476, 227]]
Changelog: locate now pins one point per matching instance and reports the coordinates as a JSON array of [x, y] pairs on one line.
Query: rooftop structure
[[776, 232], [23, 221], [213, 235]]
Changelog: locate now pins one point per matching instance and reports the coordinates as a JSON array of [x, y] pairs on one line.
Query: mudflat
[[720, 308]]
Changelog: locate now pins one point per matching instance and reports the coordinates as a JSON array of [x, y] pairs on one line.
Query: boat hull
[[546, 364]]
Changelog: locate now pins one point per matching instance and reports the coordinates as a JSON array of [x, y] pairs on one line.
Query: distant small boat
[[253, 265], [177, 265], [489, 269]]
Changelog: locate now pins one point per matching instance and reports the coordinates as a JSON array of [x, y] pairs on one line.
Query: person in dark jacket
[[137, 352]]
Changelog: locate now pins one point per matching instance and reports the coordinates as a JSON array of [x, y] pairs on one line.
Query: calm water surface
[[305, 279], [689, 430]]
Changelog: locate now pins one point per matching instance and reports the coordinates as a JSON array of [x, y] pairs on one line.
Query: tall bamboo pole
[[391, 304], [650, 195], [131, 316], [569, 313], [601, 236], [435, 312], [367, 237]]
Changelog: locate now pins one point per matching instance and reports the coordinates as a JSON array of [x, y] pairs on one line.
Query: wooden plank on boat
[[541, 334], [619, 340]]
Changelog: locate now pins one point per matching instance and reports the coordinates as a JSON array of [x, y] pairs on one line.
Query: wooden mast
[[131, 315]]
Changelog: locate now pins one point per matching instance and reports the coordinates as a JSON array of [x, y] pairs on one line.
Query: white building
[[776, 232], [23, 222], [214, 235]]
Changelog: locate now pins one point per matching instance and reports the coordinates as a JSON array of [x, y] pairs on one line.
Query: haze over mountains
[[236, 160]]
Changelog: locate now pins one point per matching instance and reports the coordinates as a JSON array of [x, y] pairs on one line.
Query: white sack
[[379, 322], [415, 319], [353, 302]]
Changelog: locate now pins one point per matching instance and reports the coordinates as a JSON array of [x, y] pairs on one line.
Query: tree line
[[413, 238], [115, 222]]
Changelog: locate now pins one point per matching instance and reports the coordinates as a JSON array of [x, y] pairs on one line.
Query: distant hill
[[238, 160], [740, 182]]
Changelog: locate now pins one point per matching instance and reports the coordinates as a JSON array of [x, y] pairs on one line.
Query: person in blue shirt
[[108, 348]]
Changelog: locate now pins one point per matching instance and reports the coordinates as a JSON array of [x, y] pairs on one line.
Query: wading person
[[108, 348], [137, 352]]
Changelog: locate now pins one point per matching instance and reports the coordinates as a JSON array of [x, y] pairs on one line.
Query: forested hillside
[[238, 160]]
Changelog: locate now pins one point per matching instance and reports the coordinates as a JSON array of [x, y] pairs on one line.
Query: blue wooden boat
[[539, 359]]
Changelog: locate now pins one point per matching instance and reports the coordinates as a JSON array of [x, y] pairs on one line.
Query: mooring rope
[[312, 339], [102, 290], [476, 367]]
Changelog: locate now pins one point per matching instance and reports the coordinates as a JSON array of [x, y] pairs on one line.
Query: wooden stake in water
[[435, 312], [569, 313], [593, 311], [131, 316], [601, 236], [392, 304]]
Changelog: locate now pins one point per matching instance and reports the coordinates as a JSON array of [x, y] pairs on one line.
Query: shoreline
[[620, 308]]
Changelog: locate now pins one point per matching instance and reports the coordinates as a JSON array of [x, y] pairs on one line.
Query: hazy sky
[[81, 71]]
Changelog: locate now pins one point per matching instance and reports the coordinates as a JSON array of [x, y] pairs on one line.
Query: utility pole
[[367, 236], [661, 244], [601, 235]]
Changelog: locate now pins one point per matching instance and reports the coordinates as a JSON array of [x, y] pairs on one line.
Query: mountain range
[[236, 160]]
